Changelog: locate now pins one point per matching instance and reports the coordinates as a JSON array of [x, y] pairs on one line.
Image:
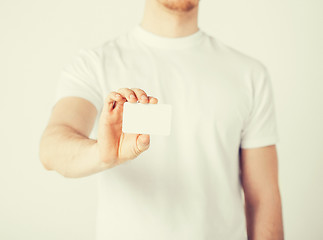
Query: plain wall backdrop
[[37, 38]]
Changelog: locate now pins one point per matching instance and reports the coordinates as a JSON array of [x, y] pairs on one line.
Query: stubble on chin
[[179, 5]]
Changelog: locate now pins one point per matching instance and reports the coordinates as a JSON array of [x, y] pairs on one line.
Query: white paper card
[[144, 118]]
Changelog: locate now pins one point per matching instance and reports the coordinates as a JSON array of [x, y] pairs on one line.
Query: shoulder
[[235, 57], [112, 49], [110, 45]]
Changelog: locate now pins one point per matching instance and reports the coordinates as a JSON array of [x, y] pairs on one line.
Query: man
[[187, 185]]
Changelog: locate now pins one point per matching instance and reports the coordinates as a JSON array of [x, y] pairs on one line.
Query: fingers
[[129, 94], [118, 98], [135, 94], [141, 95], [152, 100], [114, 99]]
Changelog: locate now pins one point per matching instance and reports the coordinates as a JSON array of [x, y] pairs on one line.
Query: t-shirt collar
[[155, 40]]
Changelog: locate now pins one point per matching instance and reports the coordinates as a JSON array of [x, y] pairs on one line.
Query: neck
[[165, 22]]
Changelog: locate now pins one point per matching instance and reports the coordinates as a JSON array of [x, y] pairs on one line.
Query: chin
[[179, 5]]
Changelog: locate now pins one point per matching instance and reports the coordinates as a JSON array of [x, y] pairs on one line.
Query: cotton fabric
[[186, 186]]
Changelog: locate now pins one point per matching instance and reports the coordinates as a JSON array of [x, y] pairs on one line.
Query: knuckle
[[125, 91], [140, 91], [131, 92]]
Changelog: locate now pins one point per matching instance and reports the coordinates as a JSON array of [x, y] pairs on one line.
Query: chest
[[202, 92]]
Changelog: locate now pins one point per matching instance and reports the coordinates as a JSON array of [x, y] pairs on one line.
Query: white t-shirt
[[186, 186]]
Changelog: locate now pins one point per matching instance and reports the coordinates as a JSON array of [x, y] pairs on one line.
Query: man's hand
[[65, 145], [114, 146]]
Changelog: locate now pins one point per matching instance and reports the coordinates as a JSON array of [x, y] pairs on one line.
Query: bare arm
[[65, 145], [259, 175]]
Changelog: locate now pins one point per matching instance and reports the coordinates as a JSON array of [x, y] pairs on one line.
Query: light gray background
[[38, 37]]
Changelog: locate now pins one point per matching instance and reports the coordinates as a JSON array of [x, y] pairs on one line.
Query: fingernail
[[144, 97]]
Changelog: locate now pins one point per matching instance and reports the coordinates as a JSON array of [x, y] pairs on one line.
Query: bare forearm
[[69, 153], [264, 219]]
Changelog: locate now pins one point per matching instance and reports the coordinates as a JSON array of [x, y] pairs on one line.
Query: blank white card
[[144, 118]]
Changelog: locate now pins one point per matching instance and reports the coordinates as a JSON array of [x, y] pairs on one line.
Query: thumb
[[143, 142]]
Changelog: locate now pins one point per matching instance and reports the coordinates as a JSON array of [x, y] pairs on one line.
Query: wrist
[[104, 162]]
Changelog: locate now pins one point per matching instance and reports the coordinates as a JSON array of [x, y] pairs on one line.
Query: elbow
[[46, 165], [70, 176], [44, 161], [43, 157]]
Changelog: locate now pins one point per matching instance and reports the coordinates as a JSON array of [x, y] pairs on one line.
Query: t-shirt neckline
[[158, 41]]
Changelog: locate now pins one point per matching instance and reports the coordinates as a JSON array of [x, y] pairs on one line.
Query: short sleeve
[[260, 128], [79, 78]]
